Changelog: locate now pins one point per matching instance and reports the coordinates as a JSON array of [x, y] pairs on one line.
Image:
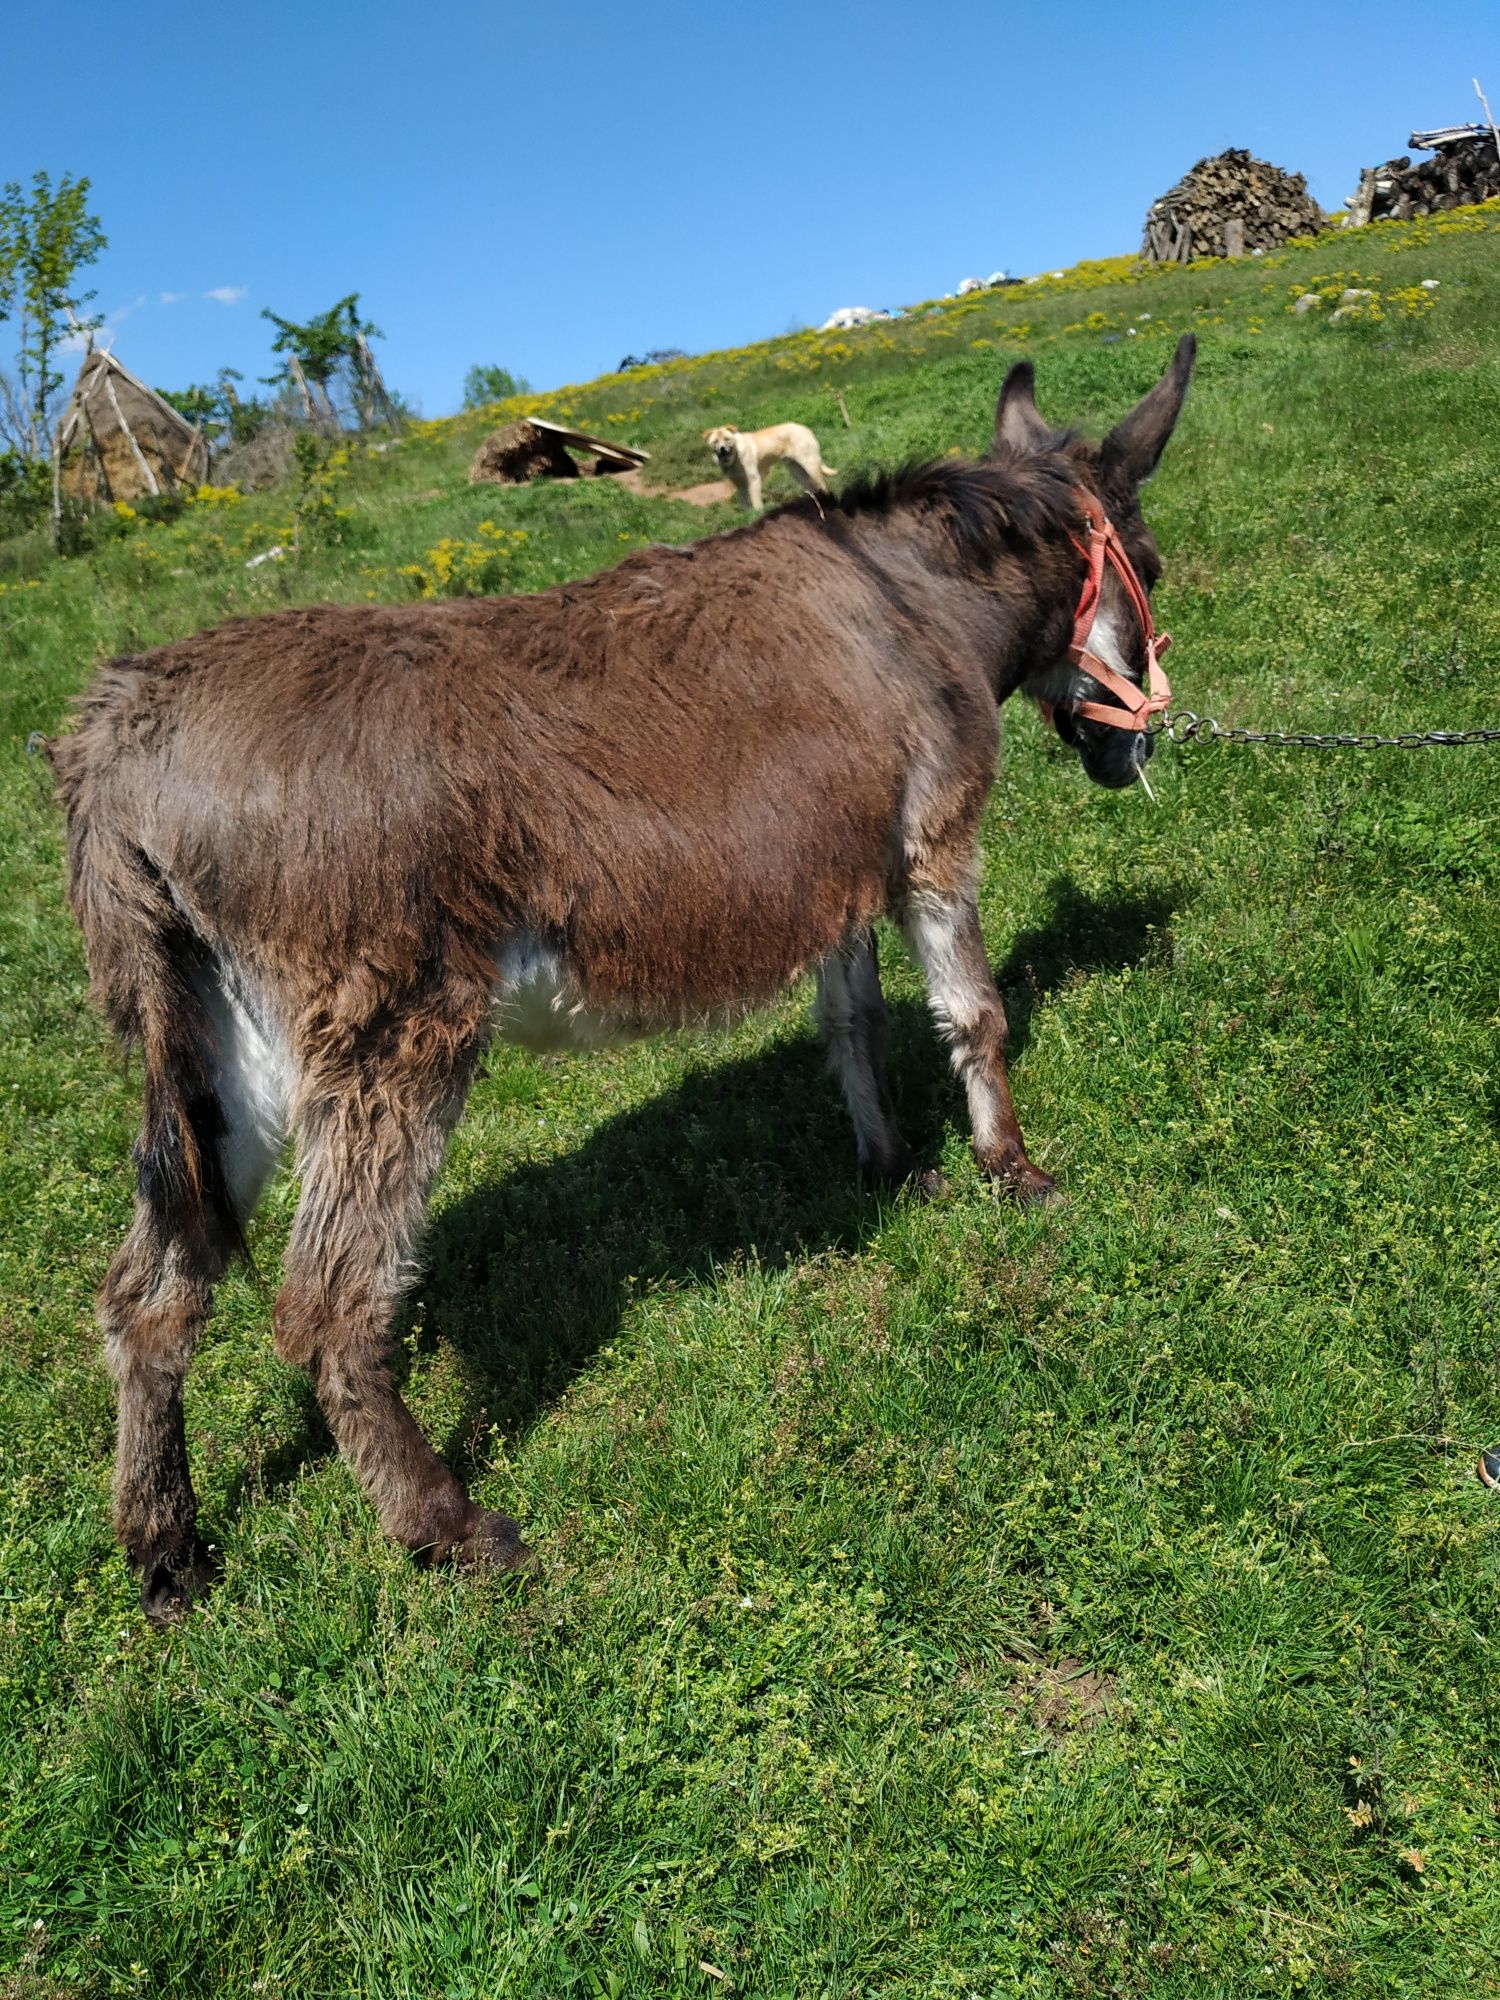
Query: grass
[[938, 1600]]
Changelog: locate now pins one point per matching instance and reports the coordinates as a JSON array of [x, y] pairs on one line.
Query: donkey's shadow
[[526, 1278]]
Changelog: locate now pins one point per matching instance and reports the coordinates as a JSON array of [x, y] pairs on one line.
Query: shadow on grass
[[526, 1279], [755, 1158], [1081, 934]]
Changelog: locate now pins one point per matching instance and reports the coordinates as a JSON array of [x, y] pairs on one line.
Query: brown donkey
[[319, 857]]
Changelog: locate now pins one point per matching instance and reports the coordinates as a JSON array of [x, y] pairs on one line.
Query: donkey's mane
[[983, 504]]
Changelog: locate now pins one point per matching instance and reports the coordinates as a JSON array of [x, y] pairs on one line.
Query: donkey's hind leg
[[157, 1295], [372, 1129], [942, 929], [851, 1014], [152, 1307]]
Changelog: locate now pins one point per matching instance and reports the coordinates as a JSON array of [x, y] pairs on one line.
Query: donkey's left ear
[[1018, 422], [1137, 441]]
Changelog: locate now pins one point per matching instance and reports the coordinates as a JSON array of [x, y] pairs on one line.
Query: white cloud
[[228, 295], [171, 298]]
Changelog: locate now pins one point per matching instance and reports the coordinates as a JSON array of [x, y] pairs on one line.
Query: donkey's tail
[[142, 956]]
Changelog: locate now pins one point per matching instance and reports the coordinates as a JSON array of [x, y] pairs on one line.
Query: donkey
[[319, 857]]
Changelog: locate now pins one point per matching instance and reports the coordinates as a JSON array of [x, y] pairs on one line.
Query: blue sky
[[552, 187]]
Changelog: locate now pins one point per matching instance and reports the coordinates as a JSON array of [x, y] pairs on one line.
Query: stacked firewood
[[1229, 206], [1464, 168]]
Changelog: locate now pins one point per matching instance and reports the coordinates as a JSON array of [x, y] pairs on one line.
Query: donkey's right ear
[[1018, 422]]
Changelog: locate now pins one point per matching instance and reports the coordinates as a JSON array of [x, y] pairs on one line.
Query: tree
[[319, 349], [492, 385], [219, 410], [46, 237]]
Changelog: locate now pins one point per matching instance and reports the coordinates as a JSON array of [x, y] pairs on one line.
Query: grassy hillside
[[937, 1600]]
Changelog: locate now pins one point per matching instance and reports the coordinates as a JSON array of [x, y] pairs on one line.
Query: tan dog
[[745, 456]]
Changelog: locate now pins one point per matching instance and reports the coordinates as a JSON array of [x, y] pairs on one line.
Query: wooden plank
[[1446, 135], [585, 442]]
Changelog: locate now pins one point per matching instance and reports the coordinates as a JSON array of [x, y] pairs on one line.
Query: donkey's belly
[[538, 1004]]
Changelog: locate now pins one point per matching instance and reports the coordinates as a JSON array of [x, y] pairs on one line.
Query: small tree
[[320, 350], [492, 385], [219, 411], [46, 237]]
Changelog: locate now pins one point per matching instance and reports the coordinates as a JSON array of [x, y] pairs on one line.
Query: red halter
[[1138, 704]]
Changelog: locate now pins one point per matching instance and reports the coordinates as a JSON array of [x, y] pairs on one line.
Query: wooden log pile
[[1228, 206], [1464, 168]]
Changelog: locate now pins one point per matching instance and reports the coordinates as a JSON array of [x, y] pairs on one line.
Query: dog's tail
[[829, 471]]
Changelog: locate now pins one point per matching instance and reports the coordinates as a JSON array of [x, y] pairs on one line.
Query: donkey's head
[[1109, 654]]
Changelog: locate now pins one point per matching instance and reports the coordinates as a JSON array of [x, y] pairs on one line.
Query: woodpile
[[1229, 206], [1464, 168], [535, 449]]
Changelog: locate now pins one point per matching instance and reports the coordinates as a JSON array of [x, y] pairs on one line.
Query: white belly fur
[[538, 1005]]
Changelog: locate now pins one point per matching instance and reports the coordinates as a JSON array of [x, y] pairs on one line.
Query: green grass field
[[937, 1600]]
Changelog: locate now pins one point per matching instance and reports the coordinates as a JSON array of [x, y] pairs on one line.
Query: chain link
[[1183, 726]]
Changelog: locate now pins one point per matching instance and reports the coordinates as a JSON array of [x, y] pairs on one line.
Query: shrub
[[492, 385], [25, 492]]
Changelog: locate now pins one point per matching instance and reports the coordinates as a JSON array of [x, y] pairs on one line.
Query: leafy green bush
[[25, 491], [492, 385]]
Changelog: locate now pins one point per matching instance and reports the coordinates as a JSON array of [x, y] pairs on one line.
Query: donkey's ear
[[1018, 422], [1137, 441]]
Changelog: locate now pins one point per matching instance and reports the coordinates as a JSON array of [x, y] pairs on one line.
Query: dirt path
[[709, 494]]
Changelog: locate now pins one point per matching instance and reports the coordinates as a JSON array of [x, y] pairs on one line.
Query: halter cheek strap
[[1137, 705]]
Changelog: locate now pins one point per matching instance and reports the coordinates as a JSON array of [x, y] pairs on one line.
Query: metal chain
[[1183, 726]]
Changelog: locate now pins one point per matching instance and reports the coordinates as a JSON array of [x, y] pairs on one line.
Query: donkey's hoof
[[494, 1543], [1017, 1177], [173, 1579], [889, 1173], [1029, 1187]]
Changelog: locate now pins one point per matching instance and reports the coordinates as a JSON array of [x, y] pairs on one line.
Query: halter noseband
[[1137, 704]]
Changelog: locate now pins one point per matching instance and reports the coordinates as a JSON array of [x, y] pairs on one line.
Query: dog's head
[[721, 443]]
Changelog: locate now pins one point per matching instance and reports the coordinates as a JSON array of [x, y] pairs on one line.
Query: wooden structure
[[1229, 206], [119, 440], [1464, 168], [532, 448]]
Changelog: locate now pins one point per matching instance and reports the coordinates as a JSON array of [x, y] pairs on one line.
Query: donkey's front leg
[[370, 1147], [942, 929], [852, 1016]]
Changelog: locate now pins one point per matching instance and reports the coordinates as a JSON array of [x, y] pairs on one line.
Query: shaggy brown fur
[[318, 856]]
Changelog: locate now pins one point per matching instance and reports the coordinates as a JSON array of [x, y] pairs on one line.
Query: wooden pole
[[1488, 113], [294, 369], [101, 471], [838, 396], [140, 457], [55, 536]]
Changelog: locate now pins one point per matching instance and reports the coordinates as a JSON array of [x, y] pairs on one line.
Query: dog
[[746, 456]]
